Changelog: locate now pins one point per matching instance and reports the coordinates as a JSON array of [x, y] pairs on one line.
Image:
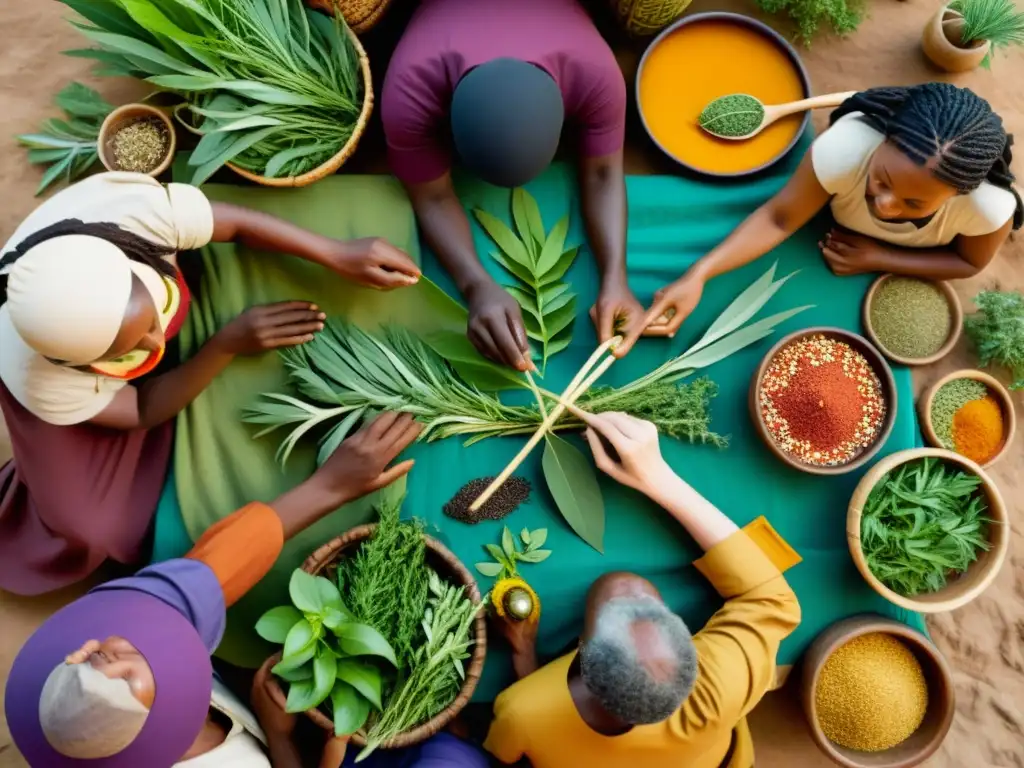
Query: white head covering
[[67, 297], [86, 715]]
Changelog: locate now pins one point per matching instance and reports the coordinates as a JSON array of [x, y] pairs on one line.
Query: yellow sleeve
[[737, 647], [504, 739]]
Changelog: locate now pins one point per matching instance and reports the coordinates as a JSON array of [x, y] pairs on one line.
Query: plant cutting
[[506, 557], [996, 332], [965, 33], [272, 87], [539, 261], [841, 16], [69, 145]]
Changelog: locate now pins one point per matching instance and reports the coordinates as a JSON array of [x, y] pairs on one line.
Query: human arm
[[603, 200], [257, 329], [370, 261], [848, 253], [522, 640]]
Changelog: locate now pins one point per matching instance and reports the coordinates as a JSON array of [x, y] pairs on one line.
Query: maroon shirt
[[447, 38]]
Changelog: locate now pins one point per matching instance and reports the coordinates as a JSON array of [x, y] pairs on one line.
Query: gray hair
[[615, 673]]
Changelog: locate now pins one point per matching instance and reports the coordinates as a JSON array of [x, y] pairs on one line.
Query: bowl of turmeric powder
[[876, 693], [969, 412]]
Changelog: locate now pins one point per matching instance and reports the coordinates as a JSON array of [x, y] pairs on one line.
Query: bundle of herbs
[[383, 650], [273, 87], [923, 523], [996, 331]]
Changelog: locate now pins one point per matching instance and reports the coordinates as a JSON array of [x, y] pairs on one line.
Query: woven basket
[[360, 15], [644, 18], [448, 567]]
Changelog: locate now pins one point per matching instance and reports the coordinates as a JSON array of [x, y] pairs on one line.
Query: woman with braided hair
[[90, 292], [918, 181]]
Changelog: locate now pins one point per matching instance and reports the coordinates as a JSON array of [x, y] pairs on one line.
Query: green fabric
[[672, 222]]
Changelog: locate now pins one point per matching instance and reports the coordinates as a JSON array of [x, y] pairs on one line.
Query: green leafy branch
[[996, 331], [510, 552]]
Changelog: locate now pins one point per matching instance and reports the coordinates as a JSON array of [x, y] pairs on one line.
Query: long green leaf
[[140, 51], [573, 484], [149, 17], [735, 341], [228, 153], [552, 250], [365, 678], [510, 245], [325, 674], [350, 709]]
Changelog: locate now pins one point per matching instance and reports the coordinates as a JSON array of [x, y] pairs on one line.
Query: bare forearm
[[283, 752], [935, 264], [703, 520], [446, 230], [262, 231], [304, 505], [524, 662], [165, 396], [603, 199]]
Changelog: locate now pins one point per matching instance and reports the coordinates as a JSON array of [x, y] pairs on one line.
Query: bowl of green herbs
[[928, 529]]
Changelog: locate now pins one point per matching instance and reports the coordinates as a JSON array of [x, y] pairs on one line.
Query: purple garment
[[440, 751], [447, 38], [189, 587]]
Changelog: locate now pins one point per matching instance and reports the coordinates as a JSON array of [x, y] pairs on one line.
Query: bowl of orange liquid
[[708, 55]]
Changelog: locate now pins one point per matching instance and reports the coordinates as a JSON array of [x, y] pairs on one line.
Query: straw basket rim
[[327, 555]]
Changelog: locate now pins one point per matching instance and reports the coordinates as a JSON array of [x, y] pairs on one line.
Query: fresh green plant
[[272, 87], [923, 522], [68, 146], [437, 671], [324, 653], [842, 16], [997, 332], [997, 21], [539, 261], [510, 552]]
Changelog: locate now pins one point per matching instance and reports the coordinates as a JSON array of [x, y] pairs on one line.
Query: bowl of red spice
[[971, 413], [823, 400]]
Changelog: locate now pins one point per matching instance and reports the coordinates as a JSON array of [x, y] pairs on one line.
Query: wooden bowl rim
[[839, 634], [881, 368], [1001, 393], [994, 558], [132, 111], [956, 327]]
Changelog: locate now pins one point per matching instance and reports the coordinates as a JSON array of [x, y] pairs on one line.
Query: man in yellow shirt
[[641, 691]]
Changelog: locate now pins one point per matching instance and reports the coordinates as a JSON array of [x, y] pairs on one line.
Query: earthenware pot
[[999, 392], [131, 113], [959, 590], [877, 363], [941, 696], [956, 324], [943, 44]]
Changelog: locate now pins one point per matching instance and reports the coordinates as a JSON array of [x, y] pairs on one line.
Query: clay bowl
[[881, 369], [956, 326], [959, 590], [127, 114], [941, 697], [998, 391]]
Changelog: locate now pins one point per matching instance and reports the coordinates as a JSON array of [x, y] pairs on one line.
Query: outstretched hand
[[373, 262], [671, 306], [271, 326], [617, 312]]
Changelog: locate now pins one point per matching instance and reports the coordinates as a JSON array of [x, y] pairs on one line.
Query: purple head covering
[[173, 614]]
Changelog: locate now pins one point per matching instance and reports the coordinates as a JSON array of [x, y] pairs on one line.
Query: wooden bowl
[[877, 363], [999, 392], [941, 696], [127, 114], [448, 567], [956, 327], [961, 589]]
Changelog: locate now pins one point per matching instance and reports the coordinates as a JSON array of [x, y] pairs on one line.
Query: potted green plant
[[963, 34]]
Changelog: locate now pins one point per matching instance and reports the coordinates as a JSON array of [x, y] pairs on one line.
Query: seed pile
[[910, 317], [871, 694], [968, 420], [514, 491], [821, 401], [734, 115], [140, 146]]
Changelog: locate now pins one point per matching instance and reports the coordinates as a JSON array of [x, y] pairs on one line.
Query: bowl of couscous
[[876, 693]]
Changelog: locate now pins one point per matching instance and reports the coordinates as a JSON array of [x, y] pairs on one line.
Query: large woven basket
[[323, 563], [360, 15], [645, 18]]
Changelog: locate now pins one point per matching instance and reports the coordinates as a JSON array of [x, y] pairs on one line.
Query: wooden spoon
[[776, 112]]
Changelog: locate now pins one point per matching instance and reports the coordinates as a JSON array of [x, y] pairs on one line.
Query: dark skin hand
[[495, 319], [521, 637]]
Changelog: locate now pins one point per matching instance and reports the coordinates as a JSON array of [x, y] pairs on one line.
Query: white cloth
[[243, 746], [840, 157], [178, 216]]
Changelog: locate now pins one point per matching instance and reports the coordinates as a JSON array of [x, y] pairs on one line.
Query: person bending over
[[91, 292], [641, 690], [493, 83], [919, 183]]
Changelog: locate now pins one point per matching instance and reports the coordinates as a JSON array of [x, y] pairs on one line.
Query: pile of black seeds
[[504, 502]]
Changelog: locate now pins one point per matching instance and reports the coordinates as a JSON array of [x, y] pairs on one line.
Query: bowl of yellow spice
[[971, 413], [876, 693]]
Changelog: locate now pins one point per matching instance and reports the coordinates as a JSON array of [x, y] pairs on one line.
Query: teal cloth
[[672, 222], [170, 537]]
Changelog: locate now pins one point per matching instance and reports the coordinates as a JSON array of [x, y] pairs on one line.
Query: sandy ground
[[984, 641]]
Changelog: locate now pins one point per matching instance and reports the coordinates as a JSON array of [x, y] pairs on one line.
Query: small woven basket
[[360, 15], [645, 18], [448, 567]]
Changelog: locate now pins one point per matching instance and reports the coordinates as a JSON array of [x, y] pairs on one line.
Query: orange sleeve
[[241, 549]]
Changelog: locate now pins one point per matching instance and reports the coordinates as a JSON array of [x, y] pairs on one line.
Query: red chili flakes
[[822, 401]]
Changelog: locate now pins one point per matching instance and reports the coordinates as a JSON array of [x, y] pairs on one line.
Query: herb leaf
[[573, 485]]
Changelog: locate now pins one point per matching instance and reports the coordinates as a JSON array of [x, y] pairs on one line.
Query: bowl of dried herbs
[[928, 529], [912, 321], [137, 138]]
